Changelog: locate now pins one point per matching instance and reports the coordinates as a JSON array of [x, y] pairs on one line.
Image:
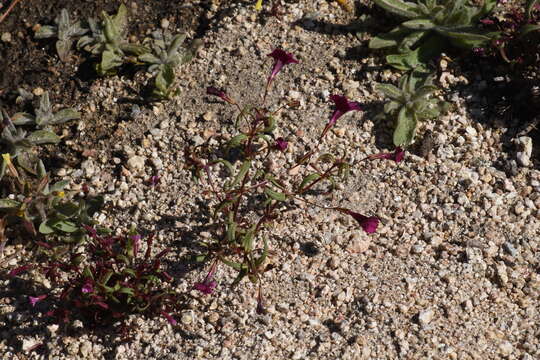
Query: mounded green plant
[[428, 27], [411, 103], [108, 39], [168, 53], [65, 30]]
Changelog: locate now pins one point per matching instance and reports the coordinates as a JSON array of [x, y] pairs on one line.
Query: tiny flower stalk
[[219, 93]]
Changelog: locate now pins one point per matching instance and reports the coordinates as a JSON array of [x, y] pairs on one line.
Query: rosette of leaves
[[44, 116], [15, 140], [167, 54], [45, 207], [108, 39], [65, 30], [113, 279], [412, 103], [429, 25]]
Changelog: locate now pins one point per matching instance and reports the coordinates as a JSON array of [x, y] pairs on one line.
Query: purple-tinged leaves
[[208, 285], [343, 106]]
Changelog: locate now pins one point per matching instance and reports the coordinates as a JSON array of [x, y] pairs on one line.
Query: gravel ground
[[452, 273]]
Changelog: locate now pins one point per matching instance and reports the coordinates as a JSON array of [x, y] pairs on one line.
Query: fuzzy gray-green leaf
[[23, 119], [43, 137], [419, 24], [398, 7], [390, 91], [405, 128], [65, 115], [46, 31]]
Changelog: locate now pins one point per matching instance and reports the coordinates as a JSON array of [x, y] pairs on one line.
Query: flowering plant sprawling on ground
[[255, 191]]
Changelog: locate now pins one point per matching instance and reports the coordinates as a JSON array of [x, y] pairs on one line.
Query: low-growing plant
[[429, 27], [168, 53], [411, 103], [253, 193], [44, 116], [41, 208], [108, 40], [65, 31], [109, 278]]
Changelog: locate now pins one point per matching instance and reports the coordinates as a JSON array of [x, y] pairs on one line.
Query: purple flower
[[34, 300], [208, 285], [343, 106], [169, 318], [219, 93], [281, 58], [281, 144], [87, 287], [368, 223], [154, 180], [397, 155]]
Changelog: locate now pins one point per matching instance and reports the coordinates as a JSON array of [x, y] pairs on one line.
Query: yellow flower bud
[[258, 5]]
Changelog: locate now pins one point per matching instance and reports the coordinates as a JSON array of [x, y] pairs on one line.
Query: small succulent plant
[[428, 25], [411, 103], [65, 30], [44, 116], [167, 55], [108, 39]]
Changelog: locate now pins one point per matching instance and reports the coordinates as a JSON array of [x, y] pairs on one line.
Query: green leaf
[[405, 128], [59, 186], [149, 58], [62, 48], [126, 290], [260, 260], [237, 140], [68, 209], [527, 29], [28, 161], [43, 137], [468, 34], [419, 24], [109, 61], [233, 264], [390, 39], [308, 180], [23, 119], [241, 173], [165, 78], [247, 239], [120, 20], [45, 229], [390, 91], [275, 195], [105, 279], [176, 42], [65, 226], [7, 204], [46, 31], [65, 115], [134, 49], [410, 41], [398, 7]]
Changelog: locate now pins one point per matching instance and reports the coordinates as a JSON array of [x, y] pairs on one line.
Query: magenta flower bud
[[281, 58], [343, 106], [368, 223], [169, 318], [87, 287], [208, 285], [219, 93], [281, 144], [398, 155], [34, 300]]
